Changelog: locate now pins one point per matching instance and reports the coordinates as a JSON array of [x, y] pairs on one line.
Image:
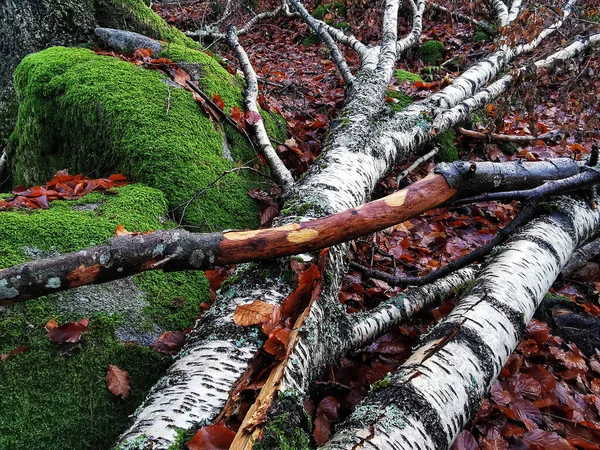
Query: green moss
[[403, 75], [173, 297], [381, 384], [62, 389], [137, 15], [508, 148], [445, 142], [311, 39], [98, 115], [403, 100], [337, 8], [279, 434], [431, 52], [480, 36]]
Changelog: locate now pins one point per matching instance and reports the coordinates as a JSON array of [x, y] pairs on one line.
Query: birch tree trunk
[[363, 145], [440, 387]]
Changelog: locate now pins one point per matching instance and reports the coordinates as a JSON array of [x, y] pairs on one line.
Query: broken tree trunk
[[440, 387]]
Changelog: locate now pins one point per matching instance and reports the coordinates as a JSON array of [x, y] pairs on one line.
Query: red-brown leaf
[[117, 381], [170, 342], [217, 100], [67, 332], [543, 440], [254, 313], [252, 117], [322, 429], [465, 441], [212, 437]]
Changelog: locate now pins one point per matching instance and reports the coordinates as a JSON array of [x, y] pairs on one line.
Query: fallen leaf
[[117, 381], [254, 313], [67, 332], [252, 117], [170, 342], [212, 437]]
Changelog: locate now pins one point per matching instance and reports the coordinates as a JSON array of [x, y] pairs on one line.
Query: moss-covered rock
[[54, 396], [28, 26], [431, 52], [96, 115]]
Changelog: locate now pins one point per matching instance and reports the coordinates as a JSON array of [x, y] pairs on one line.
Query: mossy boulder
[[431, 52], [97, 115], [61, 389], [29, 26]]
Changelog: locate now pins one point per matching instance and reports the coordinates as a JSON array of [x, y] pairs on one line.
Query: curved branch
[[321, 31], [280, 172], [415, 33], [491, 31]]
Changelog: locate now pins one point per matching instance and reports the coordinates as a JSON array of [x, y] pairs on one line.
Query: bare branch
[[464, 18], [515, 8], [389, 28], [321, 31], [416, 163], [280, 172], [501, 11], [415, 33]]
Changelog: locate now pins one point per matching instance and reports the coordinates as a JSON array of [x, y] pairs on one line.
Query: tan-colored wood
[[296, 238]]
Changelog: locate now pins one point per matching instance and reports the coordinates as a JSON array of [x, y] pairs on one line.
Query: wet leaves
[[213, 437], [70, 332], [62, 186]]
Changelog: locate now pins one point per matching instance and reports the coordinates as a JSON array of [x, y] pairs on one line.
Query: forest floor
[[548, 394]]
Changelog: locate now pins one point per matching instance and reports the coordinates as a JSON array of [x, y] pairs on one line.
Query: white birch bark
[[363, 145], [437, 390]]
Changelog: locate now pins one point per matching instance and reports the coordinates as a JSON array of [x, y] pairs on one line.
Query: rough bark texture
[[441, 385]]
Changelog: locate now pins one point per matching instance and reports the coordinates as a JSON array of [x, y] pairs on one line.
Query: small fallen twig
[[416, 163], [506, 137]]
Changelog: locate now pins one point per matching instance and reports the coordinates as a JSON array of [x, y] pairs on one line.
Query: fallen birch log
[[440, 387]]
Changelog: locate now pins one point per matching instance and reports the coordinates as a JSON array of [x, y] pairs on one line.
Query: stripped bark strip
[[439, 388], [178, 250]]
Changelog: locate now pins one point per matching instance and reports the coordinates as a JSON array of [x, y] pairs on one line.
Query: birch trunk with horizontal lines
[[440, 387], [363, 145]]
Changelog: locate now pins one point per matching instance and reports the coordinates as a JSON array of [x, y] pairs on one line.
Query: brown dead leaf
[[117, 381], [254, 313]]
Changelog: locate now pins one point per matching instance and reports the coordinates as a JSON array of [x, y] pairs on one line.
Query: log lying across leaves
[[177, 250], [439, 388]]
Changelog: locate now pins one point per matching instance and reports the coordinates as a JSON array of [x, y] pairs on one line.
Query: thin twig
[[520, 219], [210, 185], [417, 163]]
